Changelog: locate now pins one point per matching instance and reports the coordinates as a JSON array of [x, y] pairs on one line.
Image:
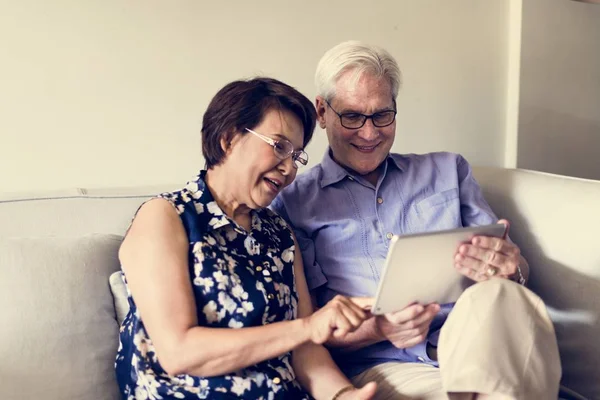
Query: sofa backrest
[[72, 212], [553, 219]]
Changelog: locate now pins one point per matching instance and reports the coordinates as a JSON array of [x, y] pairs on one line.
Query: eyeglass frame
[[295, 154], [366, 117]]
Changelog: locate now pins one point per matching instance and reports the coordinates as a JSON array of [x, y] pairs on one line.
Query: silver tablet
[[419, 268]]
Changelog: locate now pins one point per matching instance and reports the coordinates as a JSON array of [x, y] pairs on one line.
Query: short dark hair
[[243, 104]]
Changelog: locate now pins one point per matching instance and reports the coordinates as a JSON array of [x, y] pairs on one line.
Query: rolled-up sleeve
[[474, 208]]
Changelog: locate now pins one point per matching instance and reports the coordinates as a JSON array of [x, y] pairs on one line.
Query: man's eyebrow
[[377, 110], [349, 111]]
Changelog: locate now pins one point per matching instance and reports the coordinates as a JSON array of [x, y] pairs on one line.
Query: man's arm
[[475, 259], [404, 329]]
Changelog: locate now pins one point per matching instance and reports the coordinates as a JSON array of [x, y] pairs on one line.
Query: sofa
[[61, 301]]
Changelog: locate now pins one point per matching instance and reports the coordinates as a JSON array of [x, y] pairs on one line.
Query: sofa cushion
[[119, 292], [60, 335]]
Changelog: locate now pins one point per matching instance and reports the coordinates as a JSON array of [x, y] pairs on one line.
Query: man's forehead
[[357, 81], [361, 91], [356, 102]]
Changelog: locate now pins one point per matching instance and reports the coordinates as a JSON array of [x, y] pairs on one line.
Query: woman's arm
[[312, 363], [154, 257]]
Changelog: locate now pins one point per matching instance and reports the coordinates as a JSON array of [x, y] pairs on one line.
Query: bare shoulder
[[156, 224], [154, 216]]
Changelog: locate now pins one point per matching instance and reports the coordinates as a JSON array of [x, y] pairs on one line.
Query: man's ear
[[321, 107]]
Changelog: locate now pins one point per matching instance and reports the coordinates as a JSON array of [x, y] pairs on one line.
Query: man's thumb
[[367, 392]]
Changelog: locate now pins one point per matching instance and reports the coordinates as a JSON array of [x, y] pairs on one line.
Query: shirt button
[[379, 200], [421, 359], [351, 178], [258, 269], [389, 235], [277, 380], [270, 296]]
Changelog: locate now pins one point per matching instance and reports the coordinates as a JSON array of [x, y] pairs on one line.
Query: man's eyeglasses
[[354, 120], [283, 149]]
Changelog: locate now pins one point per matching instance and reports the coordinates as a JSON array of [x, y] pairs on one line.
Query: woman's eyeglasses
[[283, 149]]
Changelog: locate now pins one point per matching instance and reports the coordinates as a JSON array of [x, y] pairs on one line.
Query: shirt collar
[[333, 172], [399, 160]]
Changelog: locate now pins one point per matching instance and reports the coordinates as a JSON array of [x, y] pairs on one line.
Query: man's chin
[[366, 168]]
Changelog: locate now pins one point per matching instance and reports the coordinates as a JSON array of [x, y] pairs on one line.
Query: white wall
[[559, 121], [111, 93]]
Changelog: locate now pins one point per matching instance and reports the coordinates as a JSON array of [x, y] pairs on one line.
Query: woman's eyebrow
[[282, 136]]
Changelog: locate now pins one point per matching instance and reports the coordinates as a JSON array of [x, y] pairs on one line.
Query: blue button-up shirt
[[344, 225]]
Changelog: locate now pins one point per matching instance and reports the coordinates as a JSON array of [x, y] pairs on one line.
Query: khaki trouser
[[498, 340]]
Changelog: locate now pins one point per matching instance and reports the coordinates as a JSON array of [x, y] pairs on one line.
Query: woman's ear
[[224, 145], [227, 142]]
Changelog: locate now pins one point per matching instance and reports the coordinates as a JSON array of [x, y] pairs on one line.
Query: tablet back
[[419, 268]]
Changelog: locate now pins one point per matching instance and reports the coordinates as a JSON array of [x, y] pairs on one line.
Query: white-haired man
[[498, 342]]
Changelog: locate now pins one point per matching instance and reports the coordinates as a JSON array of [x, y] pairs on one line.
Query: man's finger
[[425, 317], [406, 314], [470, 273], [478, 258], [495, 244]]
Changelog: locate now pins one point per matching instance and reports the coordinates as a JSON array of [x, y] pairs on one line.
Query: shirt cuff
[[419, 352], [434, 337]]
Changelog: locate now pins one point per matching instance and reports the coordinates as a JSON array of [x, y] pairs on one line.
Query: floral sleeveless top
[[239, 279]]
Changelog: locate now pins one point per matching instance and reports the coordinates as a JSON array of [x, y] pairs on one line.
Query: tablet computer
[[419, 268]]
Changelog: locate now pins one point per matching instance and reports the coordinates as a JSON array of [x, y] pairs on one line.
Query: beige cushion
[[59, 332], [119, 292]]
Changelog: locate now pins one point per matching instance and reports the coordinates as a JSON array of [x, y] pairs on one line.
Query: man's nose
[[368, 131]]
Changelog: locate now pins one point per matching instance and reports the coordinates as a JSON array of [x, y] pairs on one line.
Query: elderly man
[[497, 341]]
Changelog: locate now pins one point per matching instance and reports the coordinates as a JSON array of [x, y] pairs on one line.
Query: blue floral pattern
[[239, 279]]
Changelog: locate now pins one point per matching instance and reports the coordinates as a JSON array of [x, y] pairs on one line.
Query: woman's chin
[[264, 200]]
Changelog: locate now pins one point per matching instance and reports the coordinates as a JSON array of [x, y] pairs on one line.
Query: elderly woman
[[219, 303]]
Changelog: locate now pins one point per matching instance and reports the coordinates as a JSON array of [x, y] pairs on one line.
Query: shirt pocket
[[440, 211]]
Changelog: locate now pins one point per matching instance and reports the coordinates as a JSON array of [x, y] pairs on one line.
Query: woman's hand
[[337, 318], [365, 393]]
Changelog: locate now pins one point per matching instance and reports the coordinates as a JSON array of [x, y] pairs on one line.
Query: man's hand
[[486, 257], [408, 327]]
